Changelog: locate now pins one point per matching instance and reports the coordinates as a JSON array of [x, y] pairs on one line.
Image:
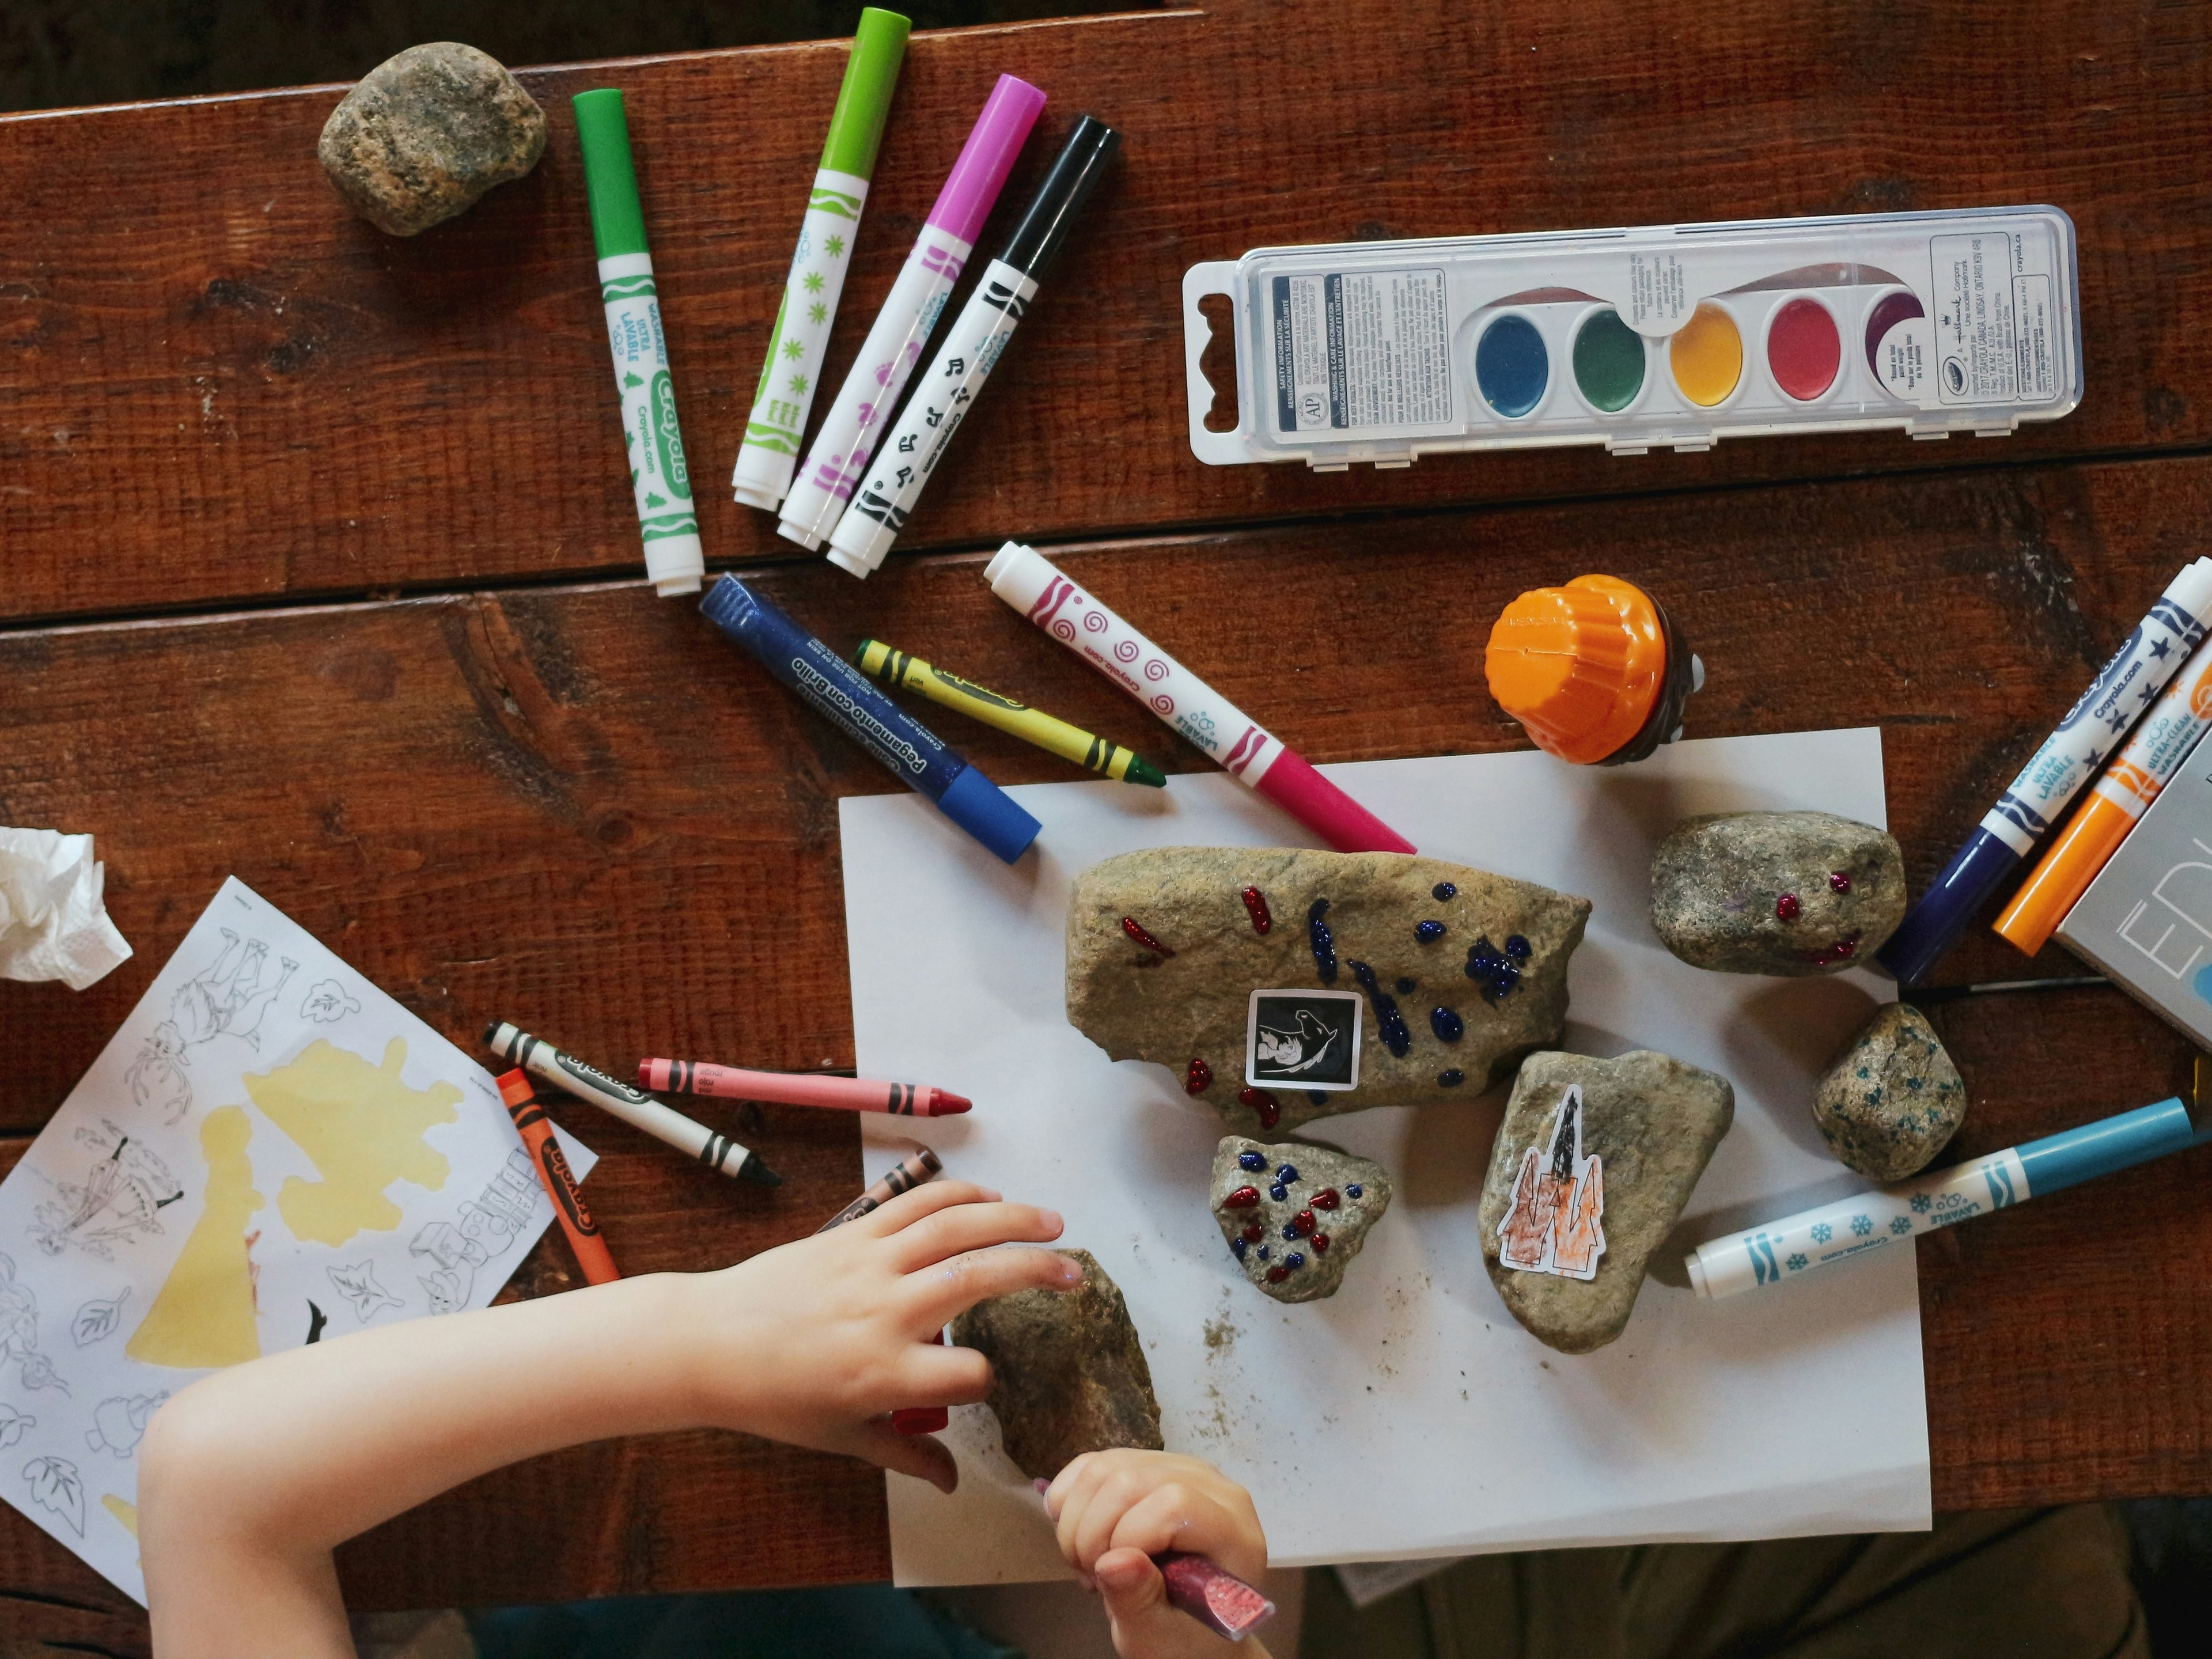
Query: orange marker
[[1594, 670], [2160, 743], [545, 1157]]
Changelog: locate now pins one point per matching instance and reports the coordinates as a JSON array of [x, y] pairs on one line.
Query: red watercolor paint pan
[[1804, 348]]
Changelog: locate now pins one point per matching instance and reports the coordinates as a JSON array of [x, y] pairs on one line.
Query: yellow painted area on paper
[[362, 1127], [202, 1315], [126, 1515]]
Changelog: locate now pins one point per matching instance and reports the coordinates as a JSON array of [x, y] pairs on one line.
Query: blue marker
[[1783, 1250], [914, 754], [2069, 758]]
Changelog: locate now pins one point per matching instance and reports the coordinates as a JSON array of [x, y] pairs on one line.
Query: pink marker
[[855, 421], [1255, 757]]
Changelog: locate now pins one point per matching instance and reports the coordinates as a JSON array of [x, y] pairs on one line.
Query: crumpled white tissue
[[52, 923]]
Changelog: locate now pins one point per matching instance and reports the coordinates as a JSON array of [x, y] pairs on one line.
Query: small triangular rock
[[1294, 1215], [1067, 1372]]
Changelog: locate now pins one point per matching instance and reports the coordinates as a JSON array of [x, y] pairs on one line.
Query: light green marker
[[770, 452], [674, 561]]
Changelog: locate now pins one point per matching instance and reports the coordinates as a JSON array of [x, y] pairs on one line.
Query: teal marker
[[1780, 1251], [674, 561], [792, 372]]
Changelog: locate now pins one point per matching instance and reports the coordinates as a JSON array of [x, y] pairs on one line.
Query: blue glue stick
[[913, 753]]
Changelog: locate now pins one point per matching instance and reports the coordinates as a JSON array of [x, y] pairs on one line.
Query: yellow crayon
[[1071, 743]]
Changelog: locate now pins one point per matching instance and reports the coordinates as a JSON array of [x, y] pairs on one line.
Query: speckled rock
[[1295, 1247], [1783, 893], [1067, 1372], [1894, 1100], [428, 132], [1461, 972], [1650, 1123]]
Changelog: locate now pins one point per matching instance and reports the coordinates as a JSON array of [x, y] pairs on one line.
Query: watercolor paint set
[[1662, 337]]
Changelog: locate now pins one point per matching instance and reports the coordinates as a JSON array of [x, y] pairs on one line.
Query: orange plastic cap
[[1579, 666]]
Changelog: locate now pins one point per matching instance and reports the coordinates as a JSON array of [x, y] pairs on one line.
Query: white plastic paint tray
[[1666, 336]]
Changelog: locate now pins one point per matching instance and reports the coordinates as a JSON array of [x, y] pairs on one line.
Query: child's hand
[[815, 1342], [1115, 1510]]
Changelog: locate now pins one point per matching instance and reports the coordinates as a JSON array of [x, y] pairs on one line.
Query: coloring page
[[270, 1151]]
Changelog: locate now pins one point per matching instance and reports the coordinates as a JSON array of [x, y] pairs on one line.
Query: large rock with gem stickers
[[1067, 1373], [1294, 1215], [1439, 976], [1590, 1173], [1782, 893]]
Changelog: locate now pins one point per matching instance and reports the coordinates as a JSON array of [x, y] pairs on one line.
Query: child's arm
[[1115, 1510], [249, 1480]]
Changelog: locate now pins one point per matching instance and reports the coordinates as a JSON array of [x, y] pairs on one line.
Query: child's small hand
[[1115, 1510], [815, 1342]]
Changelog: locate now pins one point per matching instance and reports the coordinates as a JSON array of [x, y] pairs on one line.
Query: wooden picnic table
[[318, 566]]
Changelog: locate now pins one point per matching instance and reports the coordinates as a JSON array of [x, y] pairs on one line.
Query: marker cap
[[988, 813], [863, 101], [1075, 173], [2068, 867], [2108, 1145], [1326, 809], [610, 175], [1930, 927], [986, 158]]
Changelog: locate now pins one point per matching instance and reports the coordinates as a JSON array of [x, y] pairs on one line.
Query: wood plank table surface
[[318, 566]]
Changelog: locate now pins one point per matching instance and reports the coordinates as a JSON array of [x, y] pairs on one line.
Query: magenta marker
[[1254, 757], [855, 421]]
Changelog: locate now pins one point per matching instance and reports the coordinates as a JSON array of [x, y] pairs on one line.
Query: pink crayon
[[855, 420], [1254, 757], [849, 1094], [1216, 1597]]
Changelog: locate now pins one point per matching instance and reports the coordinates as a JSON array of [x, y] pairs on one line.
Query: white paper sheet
[[1409, 1415], [261, 1090]]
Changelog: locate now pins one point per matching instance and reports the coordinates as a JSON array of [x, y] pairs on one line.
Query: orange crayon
[[552, 1167], [2161, 745]]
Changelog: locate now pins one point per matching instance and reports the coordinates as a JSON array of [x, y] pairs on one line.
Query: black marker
[[941, 397], [633, 1106]]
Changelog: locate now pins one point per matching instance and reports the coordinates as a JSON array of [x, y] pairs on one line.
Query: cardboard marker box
[[2147, 918]]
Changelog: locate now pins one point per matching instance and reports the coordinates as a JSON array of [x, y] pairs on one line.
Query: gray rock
[[1894, 1100], [1191, 1004], [1306, 1239], [428, 132], [1783, 893], [1067, 1372], [1650, 1123]]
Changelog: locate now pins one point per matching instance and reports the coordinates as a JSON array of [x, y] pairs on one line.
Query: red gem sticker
[[1321, 1244], [1255, 905], [1243, 1199], [1303, 1223], [1198, 1078], [1326, 1199], [1277, 1274], [1130, 926], [1253, 1232], [1787, 908]]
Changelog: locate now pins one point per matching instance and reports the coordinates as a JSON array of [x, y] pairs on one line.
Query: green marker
[[674, 561], [770, 452]]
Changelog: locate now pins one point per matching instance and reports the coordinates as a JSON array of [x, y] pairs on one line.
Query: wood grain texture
[[215, 386], [578, 808]]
